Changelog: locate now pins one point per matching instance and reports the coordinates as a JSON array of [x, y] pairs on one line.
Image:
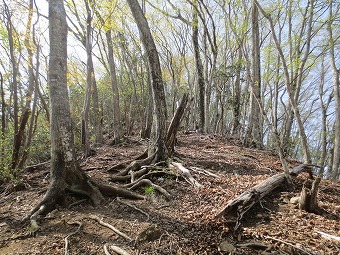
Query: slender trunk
[[236, 94], [199, 71], [146, 131], [117, 126], [157, 141], [255, 136], [292, 98], [3, 106], [15, 71]]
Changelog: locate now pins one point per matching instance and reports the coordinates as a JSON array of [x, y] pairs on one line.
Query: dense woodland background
[[264, 72]]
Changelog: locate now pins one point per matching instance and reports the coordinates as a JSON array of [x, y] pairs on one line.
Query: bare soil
[[184, 225]]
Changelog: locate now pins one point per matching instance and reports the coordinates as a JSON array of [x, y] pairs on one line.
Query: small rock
[[226, 247]]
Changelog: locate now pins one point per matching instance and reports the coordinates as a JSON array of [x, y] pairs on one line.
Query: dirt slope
[[183, 225]]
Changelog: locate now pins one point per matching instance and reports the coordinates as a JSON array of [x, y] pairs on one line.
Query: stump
[[308, 198]]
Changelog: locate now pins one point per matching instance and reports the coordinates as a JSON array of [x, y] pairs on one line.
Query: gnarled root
[[147, 182]]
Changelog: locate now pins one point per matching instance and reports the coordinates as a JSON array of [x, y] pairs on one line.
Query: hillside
[[183, 225]]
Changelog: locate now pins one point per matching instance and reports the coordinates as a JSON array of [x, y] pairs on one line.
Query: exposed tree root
[[79, 183], [114, 248], [137, 165], [147, 182], [134, 207], [130, 175], [71, 234], [118, 232], [186, 174], [124, 164], [110, 190], [77, 203], [34, 225], [205, 172], [147, 176]]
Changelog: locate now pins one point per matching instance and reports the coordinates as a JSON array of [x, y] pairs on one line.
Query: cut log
[[236, 208]]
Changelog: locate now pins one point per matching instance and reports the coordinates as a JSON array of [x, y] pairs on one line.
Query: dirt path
[[183, 225]]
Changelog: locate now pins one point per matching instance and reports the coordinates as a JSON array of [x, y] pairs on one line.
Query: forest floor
[[184, 225]]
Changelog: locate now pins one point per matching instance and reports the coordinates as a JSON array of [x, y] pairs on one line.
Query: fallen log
[[235, 209]]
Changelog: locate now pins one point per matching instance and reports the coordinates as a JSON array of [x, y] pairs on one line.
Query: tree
[[293, 92], [157, 141], [107, 26], [255, 129], [336, 84], [65, 171]]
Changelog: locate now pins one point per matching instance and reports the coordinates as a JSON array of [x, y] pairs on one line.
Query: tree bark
[[254, 134], [199, 71], [157, 141], [174, 125], [117, 126], [336, 82]]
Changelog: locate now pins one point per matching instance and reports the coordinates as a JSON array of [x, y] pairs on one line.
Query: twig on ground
[[71, 234], [118, 232], [289, 244], [134, 207], [115, 248]]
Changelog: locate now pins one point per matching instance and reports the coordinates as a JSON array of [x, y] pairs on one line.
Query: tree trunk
[[14, 89], [3, 120], [174, 125], [199, 71], [254, 133], [146, 131], [117, 126], [85, 134], [288, 82], [65, 171], [236, 95], [157, 141], [336, 79]]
